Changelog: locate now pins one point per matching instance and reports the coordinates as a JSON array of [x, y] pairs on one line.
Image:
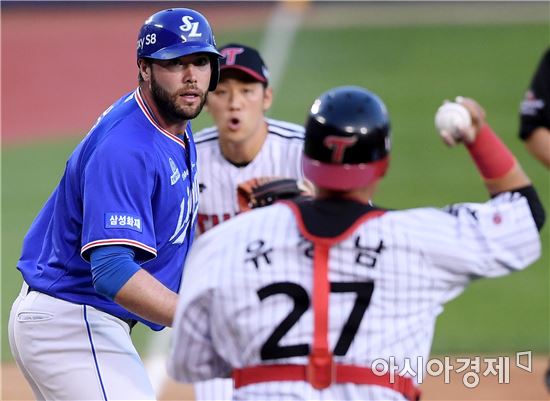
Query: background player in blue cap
[[108, 247]]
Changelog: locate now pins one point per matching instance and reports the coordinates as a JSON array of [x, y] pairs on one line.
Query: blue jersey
[[129, 182]]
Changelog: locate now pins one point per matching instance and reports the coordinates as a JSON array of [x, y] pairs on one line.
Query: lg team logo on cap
[[231, 53], [188, 26]]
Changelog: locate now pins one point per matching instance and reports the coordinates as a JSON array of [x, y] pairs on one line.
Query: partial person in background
[[242, 147], [107, 250], [244, 144], [262, 313], [534, 127]]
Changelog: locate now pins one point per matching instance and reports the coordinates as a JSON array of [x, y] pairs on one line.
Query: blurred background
[[64, 63]]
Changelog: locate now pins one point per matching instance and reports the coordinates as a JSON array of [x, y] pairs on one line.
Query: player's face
[[180, 86], [238, 109]]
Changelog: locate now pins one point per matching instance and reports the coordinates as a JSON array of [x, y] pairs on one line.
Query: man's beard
[[168, 107]]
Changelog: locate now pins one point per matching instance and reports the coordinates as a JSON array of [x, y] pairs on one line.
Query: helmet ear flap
[[215, 77]]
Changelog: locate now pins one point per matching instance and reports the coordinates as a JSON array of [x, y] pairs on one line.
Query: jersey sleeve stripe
[[285, 134], [200, 141], [285, 125], [119, 241], [206, 134]]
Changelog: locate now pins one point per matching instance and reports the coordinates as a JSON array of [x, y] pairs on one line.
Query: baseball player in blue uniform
[[108, 247]]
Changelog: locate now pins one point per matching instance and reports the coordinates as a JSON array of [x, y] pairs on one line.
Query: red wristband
[[491, 156]]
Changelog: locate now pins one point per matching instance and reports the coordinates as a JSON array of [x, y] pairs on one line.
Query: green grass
[[413, 69]]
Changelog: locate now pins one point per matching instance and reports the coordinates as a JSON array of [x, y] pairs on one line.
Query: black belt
[[130, 322]]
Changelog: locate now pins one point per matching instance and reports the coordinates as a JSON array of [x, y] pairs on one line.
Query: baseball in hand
[[454, 123]]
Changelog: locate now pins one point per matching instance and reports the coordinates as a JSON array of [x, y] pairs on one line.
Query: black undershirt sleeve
[[537, 210]]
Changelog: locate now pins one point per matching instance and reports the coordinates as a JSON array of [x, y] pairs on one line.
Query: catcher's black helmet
[[347, 139]]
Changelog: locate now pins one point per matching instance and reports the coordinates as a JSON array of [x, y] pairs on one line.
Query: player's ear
[[144, 69], [268, 98]]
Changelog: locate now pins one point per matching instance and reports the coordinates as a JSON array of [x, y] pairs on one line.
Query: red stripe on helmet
[[343, 177]]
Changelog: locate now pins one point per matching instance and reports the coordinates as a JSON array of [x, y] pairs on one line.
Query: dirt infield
[[522, 386]]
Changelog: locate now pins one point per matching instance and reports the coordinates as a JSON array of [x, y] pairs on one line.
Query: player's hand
[[477, 113], [459, 121], [306, 187]]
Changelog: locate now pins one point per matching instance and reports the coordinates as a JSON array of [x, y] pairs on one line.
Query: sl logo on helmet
[[188, 26]]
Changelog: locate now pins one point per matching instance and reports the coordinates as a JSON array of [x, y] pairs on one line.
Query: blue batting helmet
[[178, 32]]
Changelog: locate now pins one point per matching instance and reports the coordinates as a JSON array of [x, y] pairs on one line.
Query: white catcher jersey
[[246, 294], [280, 155]]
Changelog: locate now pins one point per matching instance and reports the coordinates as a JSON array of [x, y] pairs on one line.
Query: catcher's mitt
[[264, 191]]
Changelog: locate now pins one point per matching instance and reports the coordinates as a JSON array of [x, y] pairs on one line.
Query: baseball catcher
[[314, 299]]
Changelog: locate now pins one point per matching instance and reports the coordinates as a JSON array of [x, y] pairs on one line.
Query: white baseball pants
[[75, 352]]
